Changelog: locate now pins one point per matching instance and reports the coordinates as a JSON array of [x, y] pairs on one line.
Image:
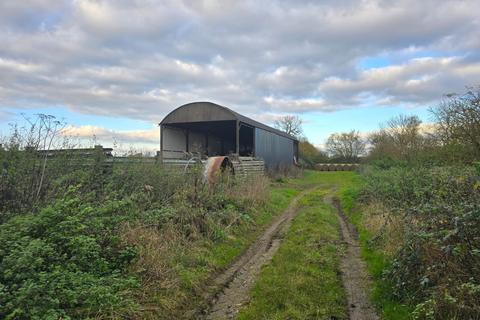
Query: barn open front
[[204, 129], [207, 139]]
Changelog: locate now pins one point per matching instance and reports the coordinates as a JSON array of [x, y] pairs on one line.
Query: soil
[[228, 292], [236, 282], [354, 276]]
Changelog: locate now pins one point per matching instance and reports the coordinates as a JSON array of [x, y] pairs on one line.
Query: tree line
[[453, 135]]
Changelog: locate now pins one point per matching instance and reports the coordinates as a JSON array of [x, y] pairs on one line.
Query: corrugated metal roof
[[209, 111]]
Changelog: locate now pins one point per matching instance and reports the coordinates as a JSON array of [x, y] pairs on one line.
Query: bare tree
[[310, 155], [26, 174], [400, 138], [458, 119], [346, 146], [48, 130], [404, 133], [290, 124]]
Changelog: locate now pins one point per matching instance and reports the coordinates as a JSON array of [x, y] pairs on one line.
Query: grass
[[375, 258], [376, 262], [219, 254], [303, 279], [196, 263]]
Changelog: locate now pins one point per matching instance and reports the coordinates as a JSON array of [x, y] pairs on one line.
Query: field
[[143, 242], [249, 160], [131, 250]]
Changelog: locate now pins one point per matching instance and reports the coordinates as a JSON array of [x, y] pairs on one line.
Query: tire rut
[[234, 284], [354, 276]]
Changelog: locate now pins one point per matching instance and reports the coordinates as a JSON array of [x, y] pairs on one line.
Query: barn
[[209, 129]]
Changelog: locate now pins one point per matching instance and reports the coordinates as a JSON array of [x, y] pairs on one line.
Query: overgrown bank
[[136, 241], [419, 215], [419, 231]]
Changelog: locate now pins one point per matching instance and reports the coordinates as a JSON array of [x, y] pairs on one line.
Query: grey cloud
[[31, 15], [420, 81], [134, 136], [140, 59]]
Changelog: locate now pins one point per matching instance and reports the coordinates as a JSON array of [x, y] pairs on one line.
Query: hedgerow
[[437, 267], [101, 240], [65, 261]]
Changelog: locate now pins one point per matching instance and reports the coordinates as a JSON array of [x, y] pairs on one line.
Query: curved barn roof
[[209, 111]]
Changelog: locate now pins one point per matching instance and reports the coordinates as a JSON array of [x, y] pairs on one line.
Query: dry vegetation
[[420, 218], [111, 241], [137, 240]]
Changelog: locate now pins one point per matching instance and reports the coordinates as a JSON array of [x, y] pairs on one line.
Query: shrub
[[437, 267], [65, 261], [100, 232]]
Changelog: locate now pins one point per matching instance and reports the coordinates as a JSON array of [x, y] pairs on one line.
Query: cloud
[[418, 81], [146, 139], [296, 105], [140, 59]]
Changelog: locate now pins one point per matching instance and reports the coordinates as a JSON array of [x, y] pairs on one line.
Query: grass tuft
[[303, 279]]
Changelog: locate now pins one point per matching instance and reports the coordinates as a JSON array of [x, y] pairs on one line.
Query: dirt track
[[354, 275], [237, 280], [229, 291]]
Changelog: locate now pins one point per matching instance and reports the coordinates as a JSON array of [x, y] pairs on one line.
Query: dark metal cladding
[[275, 150], [209, 111], [209, 129], [199, 112]]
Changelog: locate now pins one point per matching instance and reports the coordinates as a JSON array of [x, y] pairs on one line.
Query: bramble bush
[[437, 267], [97, 236], [65, 261]]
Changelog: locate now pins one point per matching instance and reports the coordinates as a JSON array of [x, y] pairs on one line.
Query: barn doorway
[[246, 141]]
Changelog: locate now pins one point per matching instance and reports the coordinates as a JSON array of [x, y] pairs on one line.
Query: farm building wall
[[173, 142], [176, 142], [209, 130], [274, 149]]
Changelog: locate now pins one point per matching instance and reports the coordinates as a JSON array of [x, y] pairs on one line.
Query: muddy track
[[230, 290], [354, 275]]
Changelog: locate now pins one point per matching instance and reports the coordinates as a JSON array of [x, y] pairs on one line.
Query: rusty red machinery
[[216, 166]]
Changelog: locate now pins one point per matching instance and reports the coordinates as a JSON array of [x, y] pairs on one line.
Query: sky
[[113, 69]]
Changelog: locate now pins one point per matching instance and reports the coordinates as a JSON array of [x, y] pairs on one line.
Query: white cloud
[[416, 82], [296, 105], [122, 140], [88, 131], [140, 59]]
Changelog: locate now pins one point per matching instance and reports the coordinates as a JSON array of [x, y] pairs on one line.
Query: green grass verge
[[376, 260], [303, 279], [219, 254], [197, 263]]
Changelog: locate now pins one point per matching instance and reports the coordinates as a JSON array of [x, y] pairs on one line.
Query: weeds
[[435, 263], [108, 241], [65, 261]]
